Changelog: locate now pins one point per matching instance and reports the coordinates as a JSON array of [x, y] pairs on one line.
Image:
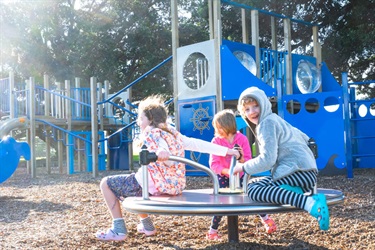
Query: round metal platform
[[202, 202], [209, 202]]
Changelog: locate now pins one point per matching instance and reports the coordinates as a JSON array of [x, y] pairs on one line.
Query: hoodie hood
[[261, 97]]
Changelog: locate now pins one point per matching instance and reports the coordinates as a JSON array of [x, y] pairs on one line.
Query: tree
[[351, 46], [43, 35], [121, 40], [112, 40]]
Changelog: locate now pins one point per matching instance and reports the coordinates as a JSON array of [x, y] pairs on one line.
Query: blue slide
[[10, 149]]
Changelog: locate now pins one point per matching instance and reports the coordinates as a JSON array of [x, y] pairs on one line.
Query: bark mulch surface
[[60, 211]]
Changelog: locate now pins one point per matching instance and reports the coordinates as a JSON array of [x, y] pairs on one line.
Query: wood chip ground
[[60, 211]]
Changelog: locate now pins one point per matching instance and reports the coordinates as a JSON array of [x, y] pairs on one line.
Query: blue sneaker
[[320, 211], [297, 190]]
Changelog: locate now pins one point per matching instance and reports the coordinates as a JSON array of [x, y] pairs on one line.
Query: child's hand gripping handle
[[238, 148], [145, 157]]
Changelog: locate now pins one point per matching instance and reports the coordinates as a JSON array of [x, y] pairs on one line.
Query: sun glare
[[9, 1]]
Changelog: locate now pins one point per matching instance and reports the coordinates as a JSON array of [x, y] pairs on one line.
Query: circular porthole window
[[293, 107], [312, 105], [195, 71], [372, 109], [307, 77], [247, 61], [362, 110], [331, 104]]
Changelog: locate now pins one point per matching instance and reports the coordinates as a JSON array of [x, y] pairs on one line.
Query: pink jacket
[[218, 163]]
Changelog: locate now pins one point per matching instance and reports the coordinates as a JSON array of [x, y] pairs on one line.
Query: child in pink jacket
[[226, 135]]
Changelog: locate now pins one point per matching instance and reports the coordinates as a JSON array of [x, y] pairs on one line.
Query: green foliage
[[121, 40], [112, 40], [353, 43]]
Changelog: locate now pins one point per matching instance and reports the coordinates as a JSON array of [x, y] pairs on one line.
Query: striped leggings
[[267, 190]]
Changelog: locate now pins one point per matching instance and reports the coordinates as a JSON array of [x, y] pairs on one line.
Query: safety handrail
[[145, 157], [137, 80]]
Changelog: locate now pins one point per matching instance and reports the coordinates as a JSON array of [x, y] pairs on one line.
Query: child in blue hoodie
[[283, 150]]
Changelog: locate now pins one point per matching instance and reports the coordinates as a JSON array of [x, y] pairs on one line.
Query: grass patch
[[136, 158]]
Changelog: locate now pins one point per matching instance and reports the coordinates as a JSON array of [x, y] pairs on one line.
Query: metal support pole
[[234, 179], [94, 127], [347, 127], [255, 37], [288, 57], [233, 228], [144, 161], [32, 126], [175, 45]]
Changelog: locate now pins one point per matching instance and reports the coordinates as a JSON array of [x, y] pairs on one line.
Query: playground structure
[[64, 116], [208, 76]]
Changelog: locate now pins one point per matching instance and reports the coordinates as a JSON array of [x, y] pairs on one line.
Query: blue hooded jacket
[[282, 148]]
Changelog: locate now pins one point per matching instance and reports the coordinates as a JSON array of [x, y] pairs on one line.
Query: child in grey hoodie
[[283, 150]]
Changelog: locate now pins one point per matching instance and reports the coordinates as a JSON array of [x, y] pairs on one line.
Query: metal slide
[[10, 124]]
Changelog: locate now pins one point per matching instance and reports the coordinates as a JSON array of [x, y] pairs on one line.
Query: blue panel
[[295, 61], [118, 151], [364, 136], [235, 78], [195, 117], [329, 82], [327, 128], [234, 46], [241, 124]]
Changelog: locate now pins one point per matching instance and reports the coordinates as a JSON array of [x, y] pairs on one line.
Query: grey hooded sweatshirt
[[282, 148]]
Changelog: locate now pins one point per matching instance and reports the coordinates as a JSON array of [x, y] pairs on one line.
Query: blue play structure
[[208, 76], [212, 74], [64, 117]]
